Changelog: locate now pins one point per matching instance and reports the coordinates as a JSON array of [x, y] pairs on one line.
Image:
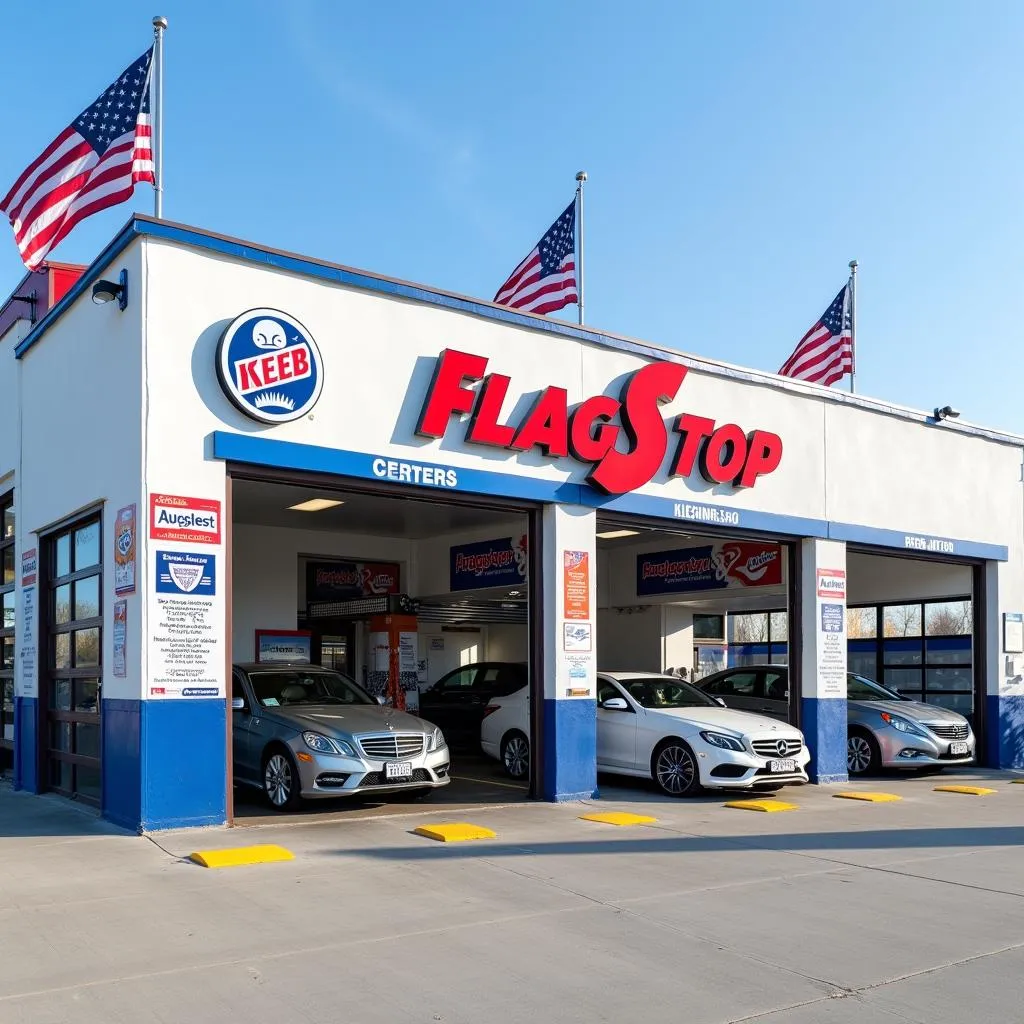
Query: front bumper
[[908, 750], [733, 769], [327, 776]]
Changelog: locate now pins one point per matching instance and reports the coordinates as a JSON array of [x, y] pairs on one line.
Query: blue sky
[[740, 154]]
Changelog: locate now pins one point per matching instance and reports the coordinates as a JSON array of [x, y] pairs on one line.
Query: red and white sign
[[832, 583], [259, 372], [29, 567], [723, 453], [184, 520]]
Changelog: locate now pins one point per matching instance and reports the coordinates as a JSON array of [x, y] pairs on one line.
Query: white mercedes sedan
[[661, 728]]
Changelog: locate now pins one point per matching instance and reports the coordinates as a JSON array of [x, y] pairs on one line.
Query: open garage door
[[361, 621]]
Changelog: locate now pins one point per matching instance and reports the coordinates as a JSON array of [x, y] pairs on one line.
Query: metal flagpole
[[157, 107], [581, 177], [853, 326]]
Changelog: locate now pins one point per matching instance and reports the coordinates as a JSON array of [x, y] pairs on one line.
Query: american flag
[[825, 353], [94, 163], [546, 279]]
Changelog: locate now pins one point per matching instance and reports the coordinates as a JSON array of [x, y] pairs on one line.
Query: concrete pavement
[[837, 912]]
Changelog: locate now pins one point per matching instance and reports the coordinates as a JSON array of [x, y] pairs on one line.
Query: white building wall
[[878, 579], [10, 397], [507, 642], [81, 428]]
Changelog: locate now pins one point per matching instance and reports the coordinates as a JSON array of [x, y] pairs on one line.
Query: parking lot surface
[[838, 911]]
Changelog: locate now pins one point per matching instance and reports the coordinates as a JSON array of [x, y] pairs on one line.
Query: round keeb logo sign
[[270, 366]]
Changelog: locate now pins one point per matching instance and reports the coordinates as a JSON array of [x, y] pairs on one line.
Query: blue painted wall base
[[1004, 718], [823, 722], [164, 763], [26, 750], [570, 750], [184, 763]]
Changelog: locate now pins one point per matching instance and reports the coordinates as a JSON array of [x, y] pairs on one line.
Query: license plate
[[960, 747], [786, 764], [398, 770]]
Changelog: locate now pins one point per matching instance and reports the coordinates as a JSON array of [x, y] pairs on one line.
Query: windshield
[[861, 688], [285, 687], [665, 693]]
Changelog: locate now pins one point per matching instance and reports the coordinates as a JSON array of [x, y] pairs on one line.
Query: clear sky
[[739, 153]]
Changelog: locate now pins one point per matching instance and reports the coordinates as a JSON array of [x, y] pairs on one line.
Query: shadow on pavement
[[893, 839]]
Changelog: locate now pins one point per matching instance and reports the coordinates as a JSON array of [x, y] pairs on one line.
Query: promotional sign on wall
[[29, 567], [719, 566], [344, 581], [832, 654], [28, 644], [284, 645], [269, 366], [186, 616], [120, 639], [488, 563], [184, 520], [124, 550], [576, 584]]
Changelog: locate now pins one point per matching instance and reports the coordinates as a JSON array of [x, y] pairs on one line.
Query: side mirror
[[237, 703], [615, 704], [720, 702], [382, 701]]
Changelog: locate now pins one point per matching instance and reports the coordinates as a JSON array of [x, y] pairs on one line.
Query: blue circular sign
[[270, 366]]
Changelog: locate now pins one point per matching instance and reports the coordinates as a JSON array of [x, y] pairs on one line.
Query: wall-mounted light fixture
[[31, 298], [947, 412], [106, 291]]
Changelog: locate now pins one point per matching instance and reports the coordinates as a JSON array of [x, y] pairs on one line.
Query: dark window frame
[[52, 719]]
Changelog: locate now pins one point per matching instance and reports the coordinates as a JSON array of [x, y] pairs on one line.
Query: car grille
[[392, 746], [377, 779], [771, 748], [949, 732]]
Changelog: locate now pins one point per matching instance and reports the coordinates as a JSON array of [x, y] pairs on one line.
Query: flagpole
[[581, 177], [853, 326], [159, 27]]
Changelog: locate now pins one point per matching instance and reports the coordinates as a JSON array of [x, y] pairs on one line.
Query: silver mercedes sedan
[[304, 732]]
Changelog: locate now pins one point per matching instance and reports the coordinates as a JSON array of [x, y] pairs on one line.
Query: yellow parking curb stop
[[239, 856], [768, 806], [969, 790], [1017, 782], [454, 832], [871, 798], [619, 818]]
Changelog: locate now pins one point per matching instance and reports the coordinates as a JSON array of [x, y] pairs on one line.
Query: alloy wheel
[[675, 770], [277, 780], [858, 754], [517, 757]]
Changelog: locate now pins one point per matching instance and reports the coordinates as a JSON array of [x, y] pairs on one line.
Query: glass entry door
[[73, 646]]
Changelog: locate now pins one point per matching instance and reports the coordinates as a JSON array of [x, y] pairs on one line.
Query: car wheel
[[281, 780], [674, 769], [862, 754], [515, 755]]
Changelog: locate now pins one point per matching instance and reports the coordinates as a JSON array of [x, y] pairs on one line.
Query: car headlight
[[436, 740], [325, 745], [721, 739], [902, 724]]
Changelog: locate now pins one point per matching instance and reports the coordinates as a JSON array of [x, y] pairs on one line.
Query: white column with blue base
[[570, 666], [823, 660]]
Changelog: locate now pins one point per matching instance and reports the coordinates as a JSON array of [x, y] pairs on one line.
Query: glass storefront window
[[749, 628], [778, 626], [901, 620], [948, 618], [861, 623], [709, 627]]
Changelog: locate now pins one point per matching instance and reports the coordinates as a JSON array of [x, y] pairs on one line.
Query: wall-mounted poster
[[488, 563], [284, 645], [718, 566], [125, 529], [346, 581]]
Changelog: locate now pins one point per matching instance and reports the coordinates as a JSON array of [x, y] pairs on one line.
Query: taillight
[[491, 708]]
